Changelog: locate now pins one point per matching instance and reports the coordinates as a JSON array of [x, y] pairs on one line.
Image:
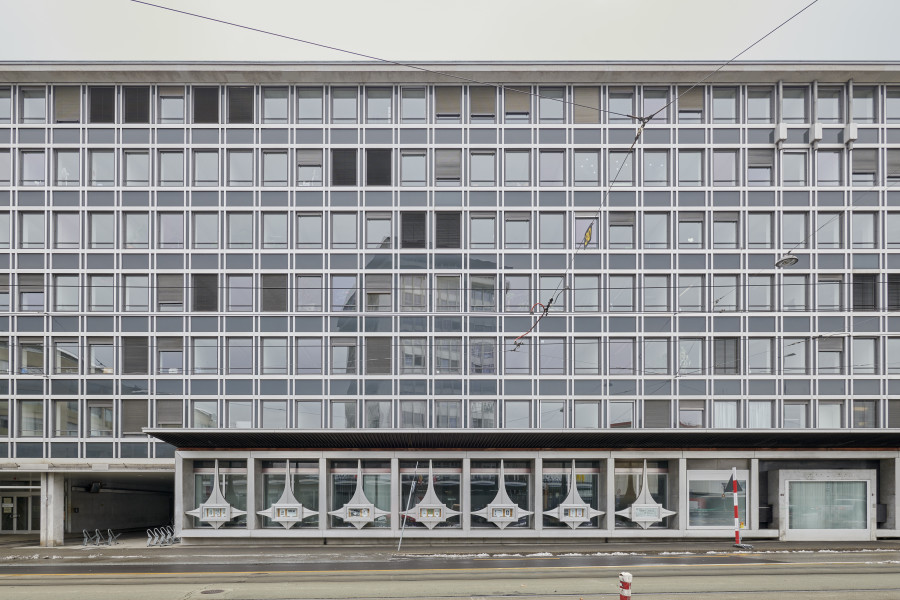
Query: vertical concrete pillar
[[184, 493], [889, 477], [323, 495], [395, 495], [682, 499], [610, 507], [753, 495], [538, 493], [252, 477], [465, 495], [53, 509]]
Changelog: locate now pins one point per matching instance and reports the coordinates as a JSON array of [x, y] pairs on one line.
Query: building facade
[[307, 301]]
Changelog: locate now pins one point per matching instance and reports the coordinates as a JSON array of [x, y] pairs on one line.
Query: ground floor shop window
[[232, 482], [485, 483], [306, 489], [556, 482], [628, 481], [827, 505], [711, 500], [376, 485], [445, 480]]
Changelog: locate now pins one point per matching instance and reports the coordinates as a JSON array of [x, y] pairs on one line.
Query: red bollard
[[624, 586]]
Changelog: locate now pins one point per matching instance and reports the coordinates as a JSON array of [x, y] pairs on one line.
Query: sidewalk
[[132, 548]]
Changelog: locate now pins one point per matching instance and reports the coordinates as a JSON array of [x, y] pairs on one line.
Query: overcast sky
[[401, 30]]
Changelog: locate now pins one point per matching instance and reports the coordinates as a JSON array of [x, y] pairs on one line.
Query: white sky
[[713, 30]]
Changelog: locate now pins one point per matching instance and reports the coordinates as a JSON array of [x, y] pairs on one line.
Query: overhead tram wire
[[499, 86], [644, 120]]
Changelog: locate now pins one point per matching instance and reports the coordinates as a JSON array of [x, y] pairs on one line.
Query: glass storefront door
[[19, 512]]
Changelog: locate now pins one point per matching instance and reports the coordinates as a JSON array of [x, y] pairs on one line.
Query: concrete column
[[889, 472], [610, 495], [184, 493], [252, 476], [323, 495], [753, 495], [465, 495], [538, 495], [395, 495], [682, 500], [53, 509]]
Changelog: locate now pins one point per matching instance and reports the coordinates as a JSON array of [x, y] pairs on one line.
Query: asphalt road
[[719, 576]]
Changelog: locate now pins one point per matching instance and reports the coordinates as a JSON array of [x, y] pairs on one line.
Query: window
[[66, 230], [31, 356], [795, 352], [517, 357], [796, 415], [550, 287], [137, 168], [656, 293], [67, 291], [690, 230], [170, 354], [378, 293], [621, 105], [587, 356], [309, 356], [690, 293], [447, 232], [447, 167], [240, 292], [690, 357], [482, 231], [725, 230], [656, 230], [274, 356], [378, 167], [102, 101], [657, 413], [725, 413], [517, 167], [517, 104], [725, 293], [829, 108], [621, 356], [240, 105], [759, 356], [586, 167], [865, 291], [413, 230], [865, 167], [309, 231], [343, 293], [206, 168], [205, 355], [240, 413], [865, 356], [585, 234], [794, 105], [31, 418], [309, 105], [31, 292], [65, 418], [378, 413], [274, 105], [448, 103], [830, 355], [864, 229], [171, 104], [552, 356], [205, 414], [32, 167], [412, 105], [793, 169], [725, 168], [759, 414], [482, 293], [829, 232], [343, 105], [447, 356], [517, 293], [206, 230], [759, 230], [274, 168], [828, 168], [621, 414], [32, 105], [413, 169], [893, 291], [482, 169], [239, 355], [67, 168], [274, 230], [378, 105], [552, 230], [621, 168], [621, 230], [102, 166], [482, 414], [795, 231], [240, 230], [690, 104], [656, 356], [5, 105], [169, 293], [447, 297], [863, 105], [343, 167], [101, 293], [759, 292], [309, 167], [135, 359], [656, 103], [725, 356], [240, 167], [171, 169], [136, 104], [413, 293], [865, 414], [378, 356], [101, 356], [413, 356], [690, 168], [102, 230], [482, 356], [760, 166], [344, 414], [828, 292], [724, 105], [206, 104], [66, 104], [6, 168], [691, 413], [482, 104], [447, 413], [552, 167], [205, 293], [656, 167], [551, 105], [413, 414], [621, 293], [137, 293], [795, 294]]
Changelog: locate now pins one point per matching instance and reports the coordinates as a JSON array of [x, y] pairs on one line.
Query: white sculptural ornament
[[573, 511], [287, 510], [358, 511], [216, 510], [645, 511], [502, 511], [430, 510]]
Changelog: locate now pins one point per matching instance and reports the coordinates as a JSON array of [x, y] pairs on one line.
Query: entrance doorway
[[19, 513]]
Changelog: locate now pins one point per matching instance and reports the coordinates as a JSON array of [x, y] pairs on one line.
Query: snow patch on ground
[[675, 553], [538, 554]]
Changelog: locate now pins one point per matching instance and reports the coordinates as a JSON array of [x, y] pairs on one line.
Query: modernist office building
[[447, 309]]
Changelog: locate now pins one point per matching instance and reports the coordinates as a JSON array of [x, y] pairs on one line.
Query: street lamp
[[788, 260]]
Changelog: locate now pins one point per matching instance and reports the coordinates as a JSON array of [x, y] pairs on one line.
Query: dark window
[[137, 104], [412, 230], [446, 230], [893, 291], [103, 104], [378, 355], [343, 167], [274, 293], [169, 413], [240, 105], [206, 104], [134, 355], [134, 416], [865, 295], [656, 413], [378, 167], [206, 292], [169, 292], [725, 352]]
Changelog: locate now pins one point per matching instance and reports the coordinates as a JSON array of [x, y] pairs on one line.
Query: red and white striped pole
[[737, 519], [624, 586]]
